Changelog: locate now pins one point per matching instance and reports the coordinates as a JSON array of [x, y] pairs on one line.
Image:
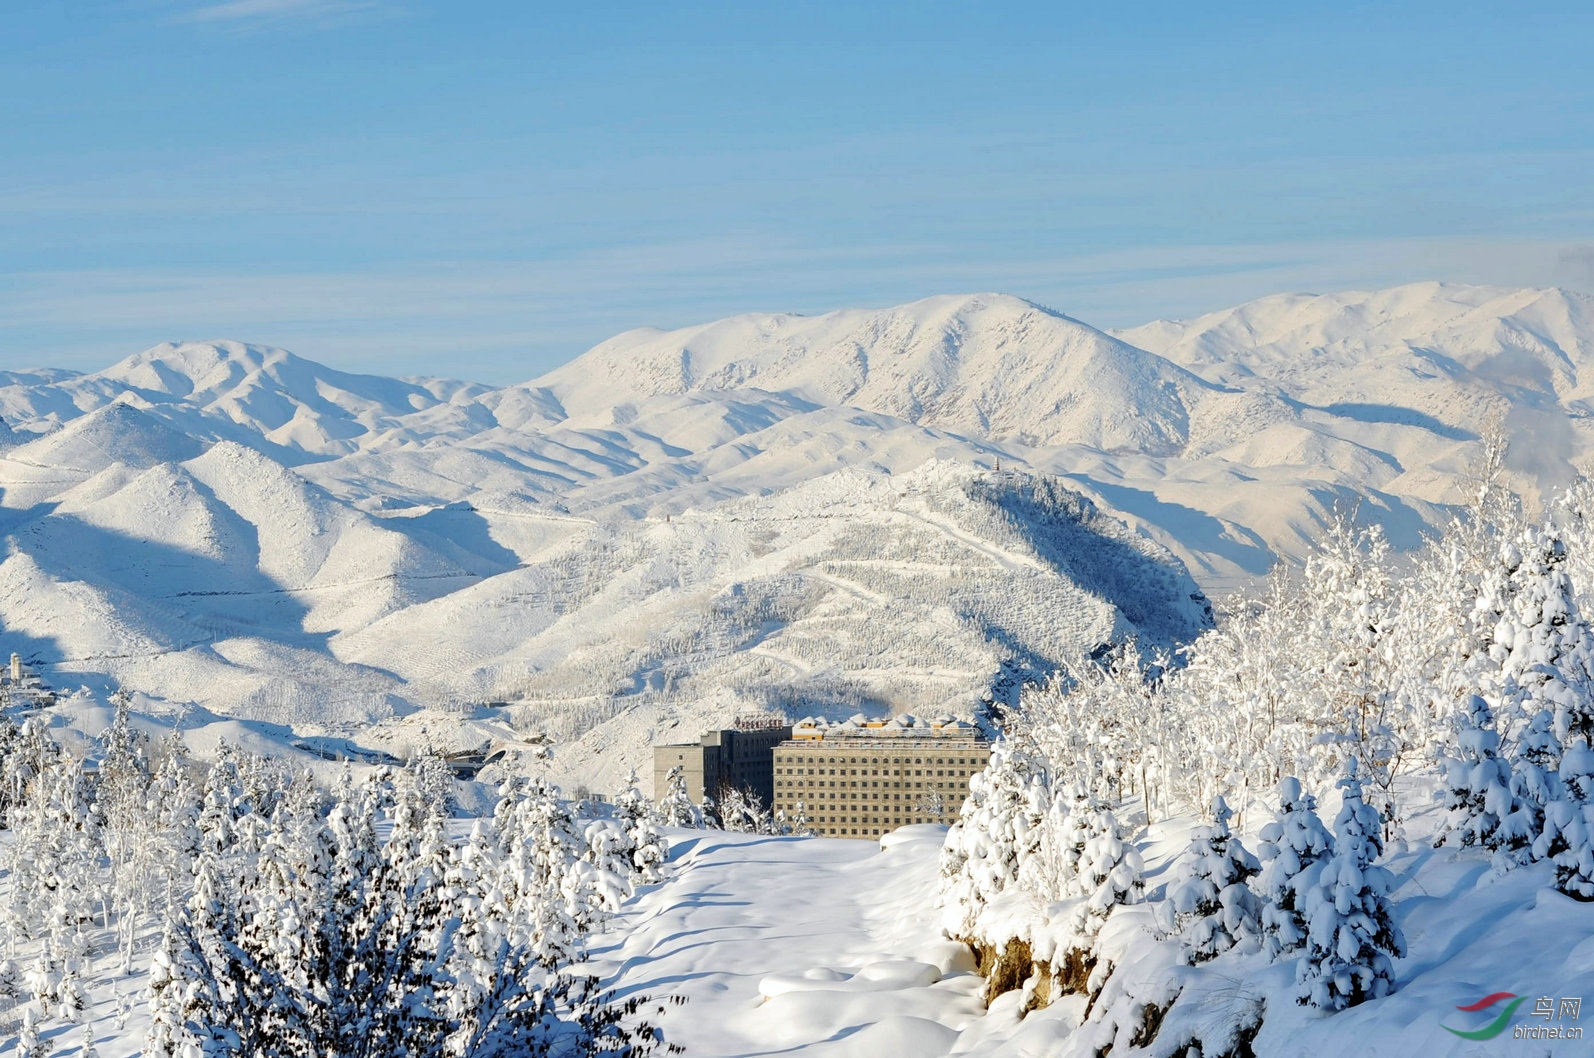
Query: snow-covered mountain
[[770, 510], [988, 366]]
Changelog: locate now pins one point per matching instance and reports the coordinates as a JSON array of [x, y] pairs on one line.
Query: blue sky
[[485, 189]]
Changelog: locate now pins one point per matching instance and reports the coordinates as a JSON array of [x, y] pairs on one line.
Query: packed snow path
[[782, 945]]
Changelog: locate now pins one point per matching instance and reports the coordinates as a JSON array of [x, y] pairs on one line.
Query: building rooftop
[[906, 725]]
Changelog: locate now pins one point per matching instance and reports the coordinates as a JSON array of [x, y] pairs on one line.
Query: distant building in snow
[[861, 778], [740, 757], [20, 686]]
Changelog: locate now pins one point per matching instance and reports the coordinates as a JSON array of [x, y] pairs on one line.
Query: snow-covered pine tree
[[71, 1004], [1545, 650], [1482, 809], [1051, 868], [1210, 906], [1110, 872], [1568, 835], [27, 754], [1352, 938], [10, 736], [676, 808], [635, 814], [799, 824], [1550, 644], [732, 810], [1292, 848], [30, 1044], [1535, 756], [997, 829], [166, 999], [606, 867], [55, 855], [420, 950], [540, 848], [434, 779]]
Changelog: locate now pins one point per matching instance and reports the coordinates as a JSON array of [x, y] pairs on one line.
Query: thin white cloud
[[275, 10]]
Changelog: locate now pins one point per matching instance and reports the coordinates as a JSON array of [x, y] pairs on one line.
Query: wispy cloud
[[244, 11]]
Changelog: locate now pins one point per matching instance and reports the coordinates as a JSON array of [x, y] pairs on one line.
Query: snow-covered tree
[[1210, 907], [675, 807], [1292, 847], [1568, 835], [798, 824], [742, 811], [30, 1044], [1483, 811], [1352, 938], [54, 857], [997, 829], [1543, 642], [1110, 872], [414, 947], [1535, 756], [649, 850]]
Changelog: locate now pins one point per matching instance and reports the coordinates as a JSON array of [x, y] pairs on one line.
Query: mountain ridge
[[683, 524]]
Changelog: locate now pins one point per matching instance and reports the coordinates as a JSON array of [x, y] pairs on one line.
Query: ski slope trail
[[821, 947]]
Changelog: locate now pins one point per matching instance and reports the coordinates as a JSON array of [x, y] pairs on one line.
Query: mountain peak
[[183, 369], [986, 365]]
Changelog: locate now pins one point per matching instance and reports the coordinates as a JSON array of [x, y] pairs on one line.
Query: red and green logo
[[1495, 1027]]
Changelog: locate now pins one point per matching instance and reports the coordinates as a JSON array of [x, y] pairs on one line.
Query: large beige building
[[862, 778]]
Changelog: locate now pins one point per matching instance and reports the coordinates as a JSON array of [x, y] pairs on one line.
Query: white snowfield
[[827, 947], [770, 511]]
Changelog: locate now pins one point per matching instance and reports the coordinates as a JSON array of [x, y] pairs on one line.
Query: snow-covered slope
[[989, 366], [1411, 373], [294, 408], [767, 510], [927, 592]]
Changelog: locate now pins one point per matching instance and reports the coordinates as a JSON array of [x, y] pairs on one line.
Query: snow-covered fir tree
[[676, 808], [1483, 810], [412, 946], [55, 854], [635, 816], [1210, 905], [1292, 848], [1110, 872], [1352, 938], [1543, 642], [1568, 835], [30, 1043], [997, 829], [742, 811]]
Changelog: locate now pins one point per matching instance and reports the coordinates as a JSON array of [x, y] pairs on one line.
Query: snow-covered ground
[[786, 945], [830, 947]]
